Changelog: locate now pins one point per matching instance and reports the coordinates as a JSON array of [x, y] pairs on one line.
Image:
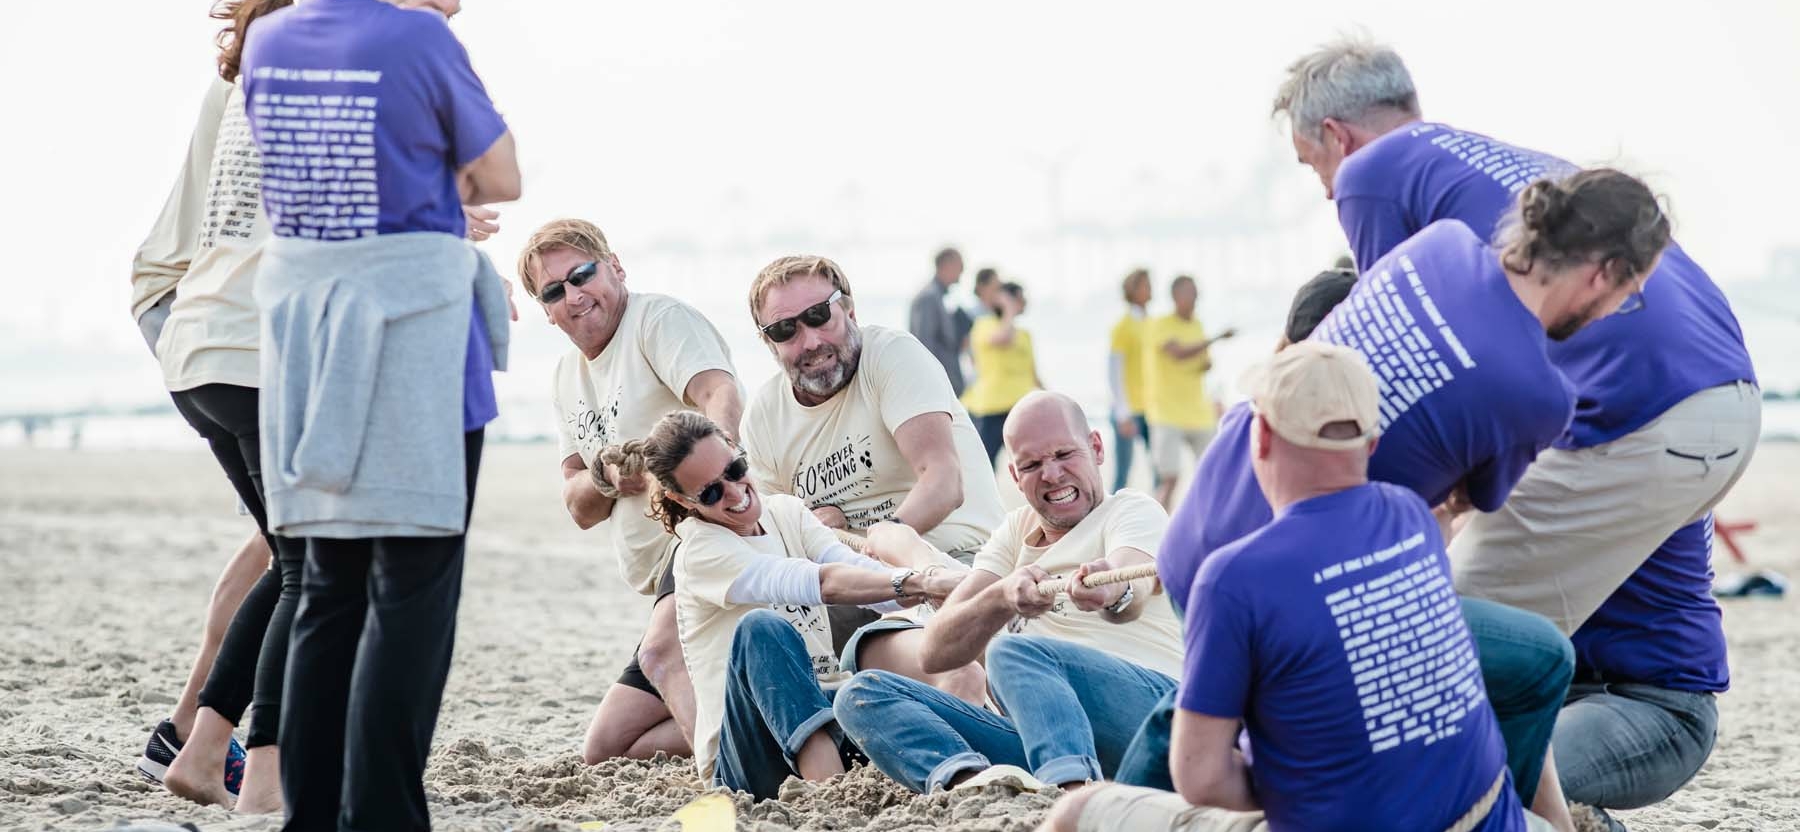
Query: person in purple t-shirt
[[1667, 414], [1457, 332], [1332, 636], [371, 122]]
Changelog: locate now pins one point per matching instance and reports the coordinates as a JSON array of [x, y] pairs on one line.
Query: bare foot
[[261, 792], [196, 780]]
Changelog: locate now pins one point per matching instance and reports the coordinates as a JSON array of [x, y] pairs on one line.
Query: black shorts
[[633, 676]]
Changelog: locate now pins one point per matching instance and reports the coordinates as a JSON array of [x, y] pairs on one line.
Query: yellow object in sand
[[708, 813]]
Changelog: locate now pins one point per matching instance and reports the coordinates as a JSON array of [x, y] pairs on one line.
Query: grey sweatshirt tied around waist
[[363, 350]]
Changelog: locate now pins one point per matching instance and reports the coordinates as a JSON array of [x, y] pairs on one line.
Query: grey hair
[[1344, 79]]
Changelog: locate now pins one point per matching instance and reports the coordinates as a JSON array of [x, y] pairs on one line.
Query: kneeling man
[[1333, 636], [1073, 675]]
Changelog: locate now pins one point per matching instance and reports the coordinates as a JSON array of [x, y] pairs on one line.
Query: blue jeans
[[1122, 449], [921, 736], [1623, 746], [773, 705], [1526, 664], [1077, 709]]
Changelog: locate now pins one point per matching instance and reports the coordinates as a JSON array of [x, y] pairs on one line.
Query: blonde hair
[[786, 269], [579, 235]]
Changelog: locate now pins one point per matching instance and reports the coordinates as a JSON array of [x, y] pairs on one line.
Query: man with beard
[[862, 424], [1075, 674]]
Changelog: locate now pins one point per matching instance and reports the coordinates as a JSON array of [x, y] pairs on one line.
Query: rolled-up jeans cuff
[[939, 779], [1069, 769], [790, 746]]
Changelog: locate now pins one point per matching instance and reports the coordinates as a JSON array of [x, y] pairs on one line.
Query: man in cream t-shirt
[[862, 425], [636, 357], [1075, 673]]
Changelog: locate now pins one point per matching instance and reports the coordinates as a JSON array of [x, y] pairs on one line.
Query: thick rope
[[1094, 579], [1051, 587]]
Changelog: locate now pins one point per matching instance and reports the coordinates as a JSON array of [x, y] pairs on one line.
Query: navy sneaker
[[160, 752]]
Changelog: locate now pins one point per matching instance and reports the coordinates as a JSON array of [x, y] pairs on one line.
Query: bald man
[[1075, 673]]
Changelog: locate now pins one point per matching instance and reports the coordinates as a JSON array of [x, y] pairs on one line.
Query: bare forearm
[[959, 633], [586, 505], [938, 492], [847, 584], [725, 408]]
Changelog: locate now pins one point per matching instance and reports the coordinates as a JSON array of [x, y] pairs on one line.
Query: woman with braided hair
[[753, 576]]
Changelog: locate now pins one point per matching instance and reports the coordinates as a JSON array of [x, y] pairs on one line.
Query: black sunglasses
[[814, 316], [715, 491], [553, 292]]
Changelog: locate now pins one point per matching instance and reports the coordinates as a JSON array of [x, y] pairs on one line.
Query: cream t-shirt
[[842, 452], [212, 333], [710, 559], [642, 375], [1127, 519]]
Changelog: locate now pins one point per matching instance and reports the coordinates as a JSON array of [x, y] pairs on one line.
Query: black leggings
[[253, 654], [370, 655]]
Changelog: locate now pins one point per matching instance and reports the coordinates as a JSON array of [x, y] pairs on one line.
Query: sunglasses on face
[[715, 490], [814, 316], [554, 291]]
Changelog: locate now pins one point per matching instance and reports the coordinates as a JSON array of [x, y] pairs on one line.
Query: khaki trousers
[[1581, 521]]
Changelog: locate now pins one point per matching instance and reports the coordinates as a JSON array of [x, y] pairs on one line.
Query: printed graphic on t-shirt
[[844, 474], [1511, 167], [319, 169], [1415, 669], [591, 428], [815, 630], [1376, 321], [234, 197]]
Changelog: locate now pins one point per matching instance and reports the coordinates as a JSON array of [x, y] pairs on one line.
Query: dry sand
[[106, 560]]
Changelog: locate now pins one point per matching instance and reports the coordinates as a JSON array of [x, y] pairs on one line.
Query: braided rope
[[1094, 579], [1051, 587]]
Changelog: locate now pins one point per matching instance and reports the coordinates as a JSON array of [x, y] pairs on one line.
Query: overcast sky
[[745, 130]]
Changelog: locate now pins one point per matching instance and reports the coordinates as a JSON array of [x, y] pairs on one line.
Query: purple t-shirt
[[364, 112], [1468, 393], [1334, 633], [1627, 368], [1662, 626]]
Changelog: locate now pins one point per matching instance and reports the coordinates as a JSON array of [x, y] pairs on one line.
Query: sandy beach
[[108, 558]]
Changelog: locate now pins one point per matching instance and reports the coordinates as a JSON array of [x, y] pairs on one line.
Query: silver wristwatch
[[900, 575], [1124, 601]]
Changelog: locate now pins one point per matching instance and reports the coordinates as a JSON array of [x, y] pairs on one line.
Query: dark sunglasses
[[715, 491], [554, 291], [814, 316]]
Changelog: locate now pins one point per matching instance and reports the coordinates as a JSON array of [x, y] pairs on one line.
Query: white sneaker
[[1011, 777]]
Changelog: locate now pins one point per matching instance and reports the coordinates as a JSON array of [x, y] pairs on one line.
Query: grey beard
[[838, 377]]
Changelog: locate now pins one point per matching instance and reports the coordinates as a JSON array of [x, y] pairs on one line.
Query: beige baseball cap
[[1309, 385]]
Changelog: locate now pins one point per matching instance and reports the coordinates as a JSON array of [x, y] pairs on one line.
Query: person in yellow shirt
[[1125, 376], [1005, 368], [1176, 358]]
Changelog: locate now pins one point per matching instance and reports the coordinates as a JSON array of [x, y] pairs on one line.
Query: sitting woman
[[753, 576]]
